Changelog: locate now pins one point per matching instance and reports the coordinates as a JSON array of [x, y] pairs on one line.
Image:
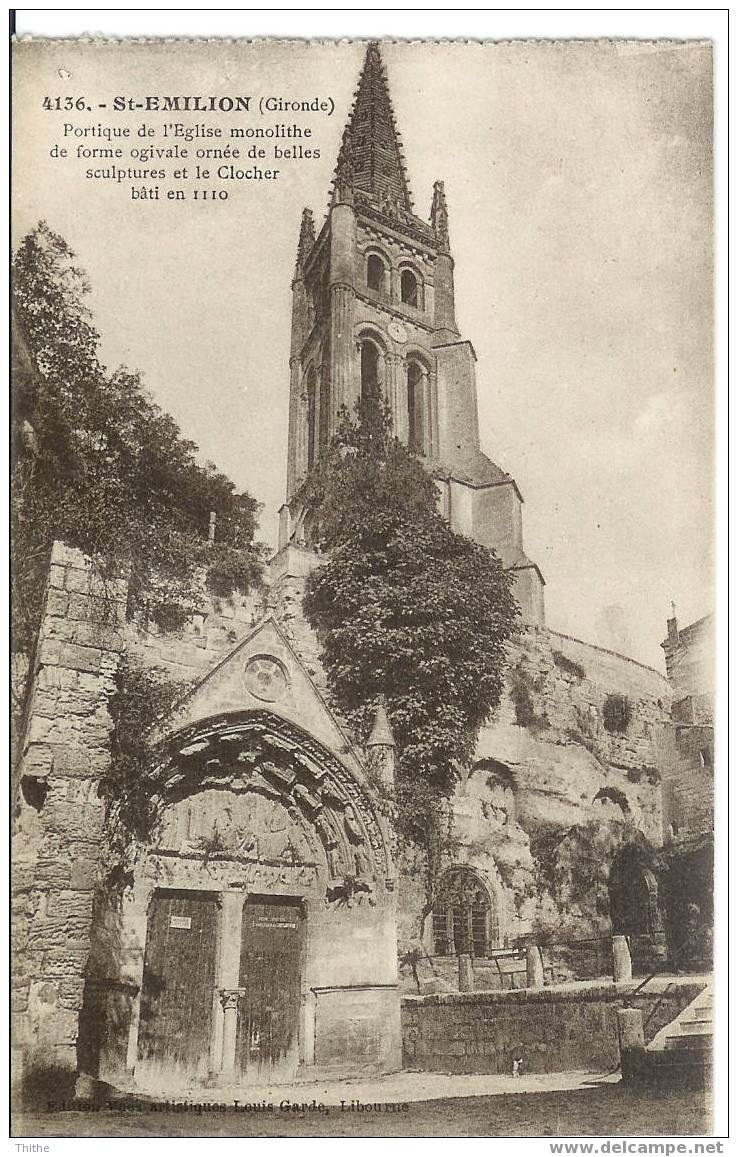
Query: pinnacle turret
[[307, 238], [343, 184], [439, 215], [381, 735]]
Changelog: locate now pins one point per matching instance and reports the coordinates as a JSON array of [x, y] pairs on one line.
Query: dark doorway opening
[[635, 909]]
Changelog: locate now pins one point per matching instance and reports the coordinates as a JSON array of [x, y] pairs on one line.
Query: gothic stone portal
[[260, 919]]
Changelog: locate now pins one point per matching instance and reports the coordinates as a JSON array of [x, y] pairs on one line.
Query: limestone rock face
[[552, 797]]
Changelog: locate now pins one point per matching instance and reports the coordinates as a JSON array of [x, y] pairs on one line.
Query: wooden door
[[178, 986], [271, 954]]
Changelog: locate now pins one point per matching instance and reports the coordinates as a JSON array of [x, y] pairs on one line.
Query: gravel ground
[[588, 1107]]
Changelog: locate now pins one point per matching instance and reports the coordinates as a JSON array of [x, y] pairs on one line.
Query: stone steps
[[680, 1055]]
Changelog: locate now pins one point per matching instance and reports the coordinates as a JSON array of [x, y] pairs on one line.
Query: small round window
[[266, 678]]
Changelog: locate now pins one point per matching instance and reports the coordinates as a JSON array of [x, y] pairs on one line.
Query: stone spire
[[377, 163], [307, 239], [439, 215]]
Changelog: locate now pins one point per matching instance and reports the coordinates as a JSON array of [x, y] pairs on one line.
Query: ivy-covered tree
[[406, 609], [98, 465]]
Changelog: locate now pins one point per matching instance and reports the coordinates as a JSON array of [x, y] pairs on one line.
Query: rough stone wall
[[223, 623], [58, 813], [202, 642], [552, 1029], [548, 772]]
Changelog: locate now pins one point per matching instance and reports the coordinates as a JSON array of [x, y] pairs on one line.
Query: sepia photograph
[[362, 588]]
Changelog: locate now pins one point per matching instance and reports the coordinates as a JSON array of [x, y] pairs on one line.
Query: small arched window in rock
[[410, 289], [464, 918], [375, 273], [613, 802]]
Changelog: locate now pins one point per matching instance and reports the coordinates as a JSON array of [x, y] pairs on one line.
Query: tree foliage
[[133, 784], [406, 609], [100, 466]]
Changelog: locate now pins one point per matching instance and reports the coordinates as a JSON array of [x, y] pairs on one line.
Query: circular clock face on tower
[[397, 331], [266, 678]]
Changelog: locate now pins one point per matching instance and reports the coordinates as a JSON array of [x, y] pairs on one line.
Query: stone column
[[345, 391], [622, 968], [632, 1042], [316, 418], [533, 967], [427, 414], [136, 923], [433, 395], [466, 973], [293, 439], [229, 998], [395, 291], [341, 272], [396, 394], [227, 976], [327, 402], [300, 438], [307, 1008]]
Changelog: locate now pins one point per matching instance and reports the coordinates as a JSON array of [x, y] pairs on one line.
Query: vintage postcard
[[353, 795]]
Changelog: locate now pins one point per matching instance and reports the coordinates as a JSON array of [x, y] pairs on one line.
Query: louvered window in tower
[[415, 408], [369, 372], [409, 289], [375, 273]]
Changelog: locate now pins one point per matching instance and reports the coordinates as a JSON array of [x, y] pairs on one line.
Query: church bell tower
[[373, 310]]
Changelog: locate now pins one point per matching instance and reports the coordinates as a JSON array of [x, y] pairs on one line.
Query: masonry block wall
[[58, 812], [553, 1029], [689, 786]]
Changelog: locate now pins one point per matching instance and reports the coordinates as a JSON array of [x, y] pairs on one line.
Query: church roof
[[473, 467]]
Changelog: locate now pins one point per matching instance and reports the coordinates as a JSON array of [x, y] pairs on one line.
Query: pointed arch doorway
[[635, 909]]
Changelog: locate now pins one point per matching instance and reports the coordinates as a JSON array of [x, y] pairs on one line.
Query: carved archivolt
[[254, 788]]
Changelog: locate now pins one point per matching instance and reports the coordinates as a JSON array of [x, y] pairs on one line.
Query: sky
[[578, 179]]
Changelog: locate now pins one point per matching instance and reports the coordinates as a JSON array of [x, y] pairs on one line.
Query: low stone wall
[[557, 1029]]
